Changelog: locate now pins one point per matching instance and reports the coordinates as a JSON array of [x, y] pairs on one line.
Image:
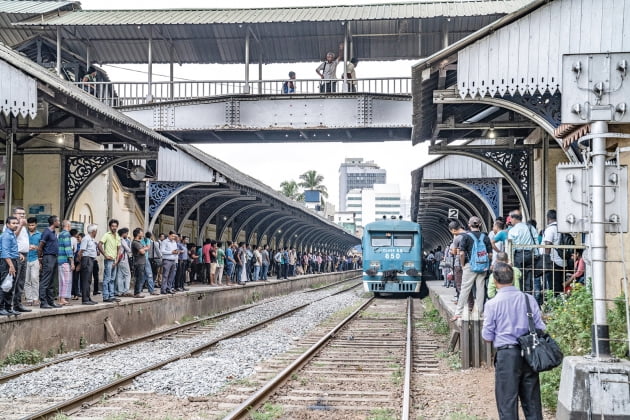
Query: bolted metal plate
[[595, 87], [573, 186]]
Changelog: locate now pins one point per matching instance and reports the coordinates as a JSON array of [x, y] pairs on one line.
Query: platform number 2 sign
[[453, 213]]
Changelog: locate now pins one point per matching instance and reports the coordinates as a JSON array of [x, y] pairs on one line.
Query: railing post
[[246, 87], [149, 96]]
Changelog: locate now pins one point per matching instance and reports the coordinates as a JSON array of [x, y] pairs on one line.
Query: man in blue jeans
[[170, 253], [110, 247]]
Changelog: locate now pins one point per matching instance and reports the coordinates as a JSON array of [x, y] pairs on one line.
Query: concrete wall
[[67, 327]]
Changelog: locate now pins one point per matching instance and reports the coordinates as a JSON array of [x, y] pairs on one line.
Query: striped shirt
[[65, 248]]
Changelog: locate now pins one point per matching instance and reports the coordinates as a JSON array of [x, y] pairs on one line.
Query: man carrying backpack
[[475, 254], [554, 264]]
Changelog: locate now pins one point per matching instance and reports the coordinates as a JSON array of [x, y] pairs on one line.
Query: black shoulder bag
[[540, 351]]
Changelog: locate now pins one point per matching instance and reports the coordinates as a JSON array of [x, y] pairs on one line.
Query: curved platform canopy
[[279, 35], [194, 187], [456, 188]]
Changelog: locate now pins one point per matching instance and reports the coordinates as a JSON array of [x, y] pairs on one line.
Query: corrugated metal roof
[[12, 11], [239, 178], [421, 10], [286, 35], [33, 7], [45, 76]]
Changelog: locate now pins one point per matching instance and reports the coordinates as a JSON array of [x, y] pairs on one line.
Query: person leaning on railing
[[523, 234], [578, 274], [89, 81]]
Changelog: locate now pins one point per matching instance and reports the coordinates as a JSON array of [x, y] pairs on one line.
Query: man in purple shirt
[[505, 319]]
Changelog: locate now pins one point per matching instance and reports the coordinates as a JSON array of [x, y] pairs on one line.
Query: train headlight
[[408, 264], [375, 264]]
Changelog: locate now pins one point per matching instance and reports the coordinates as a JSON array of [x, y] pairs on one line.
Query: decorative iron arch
[[166, 196], [254, 229], [200, 202], [221, 207]]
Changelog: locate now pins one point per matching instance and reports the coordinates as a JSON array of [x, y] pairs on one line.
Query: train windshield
[[403, 239], [381, 239]]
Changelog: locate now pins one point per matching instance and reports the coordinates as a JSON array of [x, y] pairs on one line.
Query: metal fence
[[540, 275], [137, 93]]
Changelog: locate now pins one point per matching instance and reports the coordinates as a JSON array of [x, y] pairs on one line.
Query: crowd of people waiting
[[42, 263]]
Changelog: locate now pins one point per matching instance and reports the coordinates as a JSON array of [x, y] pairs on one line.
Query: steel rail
[[175, 329], [408, 361], [256, 399], [71, 405]]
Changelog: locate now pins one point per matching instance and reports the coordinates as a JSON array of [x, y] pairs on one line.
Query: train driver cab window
[[404, 240], [381, 239]]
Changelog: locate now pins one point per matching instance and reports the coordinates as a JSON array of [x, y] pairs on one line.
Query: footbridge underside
[[280, 118]]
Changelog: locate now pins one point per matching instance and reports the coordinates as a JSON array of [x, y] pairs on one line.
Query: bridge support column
[[150, 66], [246, 87]]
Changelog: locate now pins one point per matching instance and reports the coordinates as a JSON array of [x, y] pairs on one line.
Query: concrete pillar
[[87, 58]]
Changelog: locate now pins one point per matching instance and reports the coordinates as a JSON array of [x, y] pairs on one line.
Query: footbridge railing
[[118, 94]]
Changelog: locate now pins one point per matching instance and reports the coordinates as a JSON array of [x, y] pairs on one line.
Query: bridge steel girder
[[221, 207], [276, 112], [254, 229], [200, 202]]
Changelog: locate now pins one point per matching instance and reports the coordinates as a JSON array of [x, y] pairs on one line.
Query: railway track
[[361, 368], [190, 328], [47, 407]]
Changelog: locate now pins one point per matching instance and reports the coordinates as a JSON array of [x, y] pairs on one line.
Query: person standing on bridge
[[351, 74], [328, 71], [505, 320], [289, 85]]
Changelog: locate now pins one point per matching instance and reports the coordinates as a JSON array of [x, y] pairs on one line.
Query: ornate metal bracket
[[547, 106], [160, 191], [489, 189], [79, 170]]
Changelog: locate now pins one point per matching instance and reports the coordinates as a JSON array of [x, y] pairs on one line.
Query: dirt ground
[[456, 394]]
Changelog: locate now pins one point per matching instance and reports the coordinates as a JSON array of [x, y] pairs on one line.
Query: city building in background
[[357, 174], [370, 204]]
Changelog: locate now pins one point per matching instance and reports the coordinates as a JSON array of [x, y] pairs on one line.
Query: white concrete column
[[601, 345]]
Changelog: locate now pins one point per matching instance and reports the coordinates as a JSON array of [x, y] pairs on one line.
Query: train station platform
[[75, 326]]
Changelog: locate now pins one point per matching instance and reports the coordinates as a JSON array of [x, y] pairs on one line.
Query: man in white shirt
[[523, 234], [170, 253], [554, 265]]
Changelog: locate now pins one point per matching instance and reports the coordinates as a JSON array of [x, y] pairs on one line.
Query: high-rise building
[[355, 173], [371, 204]]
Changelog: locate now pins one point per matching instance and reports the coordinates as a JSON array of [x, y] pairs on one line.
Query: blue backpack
[[479, 261]]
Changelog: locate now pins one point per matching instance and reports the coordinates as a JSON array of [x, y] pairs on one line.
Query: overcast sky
[[278, 162]]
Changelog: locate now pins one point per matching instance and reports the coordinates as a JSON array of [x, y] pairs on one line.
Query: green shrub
[[23, 357], [569, 320]]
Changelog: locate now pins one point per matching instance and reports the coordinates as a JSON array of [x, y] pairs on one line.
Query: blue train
[[392, 258]]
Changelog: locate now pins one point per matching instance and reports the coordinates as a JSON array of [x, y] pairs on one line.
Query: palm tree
[[292, 190], [311, 180]]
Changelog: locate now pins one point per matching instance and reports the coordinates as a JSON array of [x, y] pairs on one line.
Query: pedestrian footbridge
[[237, 111]]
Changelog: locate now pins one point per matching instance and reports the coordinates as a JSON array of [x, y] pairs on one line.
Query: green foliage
[[569, 320], [382, 414], [617, 324], [23, 357], [61, 416], [433, 320], [267, 412]]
